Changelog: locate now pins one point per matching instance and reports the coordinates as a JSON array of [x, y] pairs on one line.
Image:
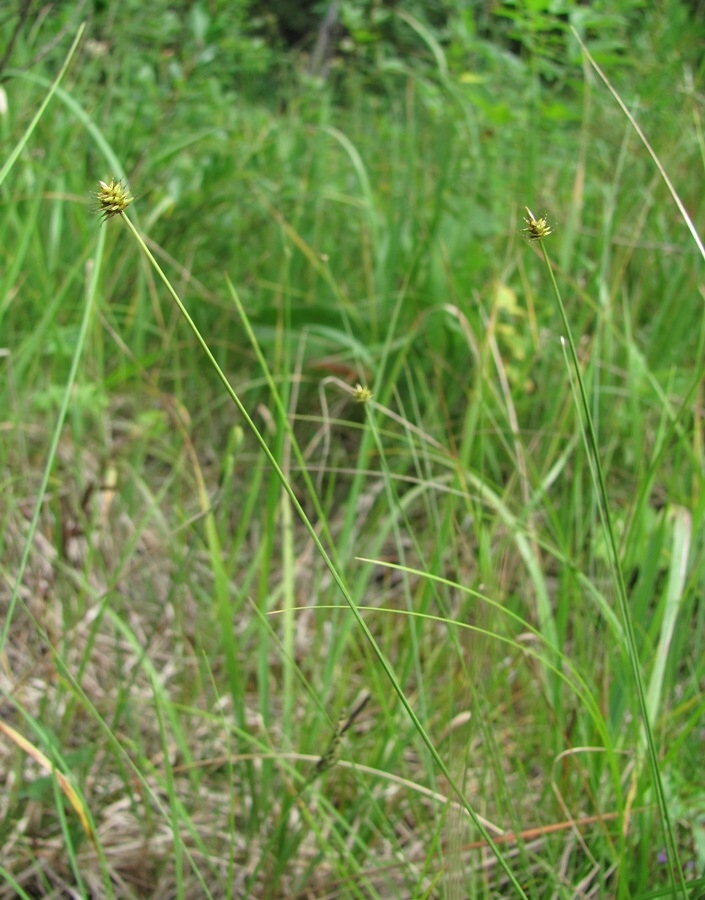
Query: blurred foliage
[[241, 44], [230, 141]]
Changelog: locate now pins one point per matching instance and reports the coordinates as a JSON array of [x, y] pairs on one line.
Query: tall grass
[[207, 586]]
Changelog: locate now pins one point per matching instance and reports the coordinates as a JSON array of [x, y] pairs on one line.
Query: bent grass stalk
[[88, 312], [537, 230], [14, 154], [113, 199]]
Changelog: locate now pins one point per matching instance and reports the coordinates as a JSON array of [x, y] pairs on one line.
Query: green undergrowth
[[195, 597]]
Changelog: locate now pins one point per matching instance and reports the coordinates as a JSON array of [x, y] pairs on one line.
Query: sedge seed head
[[361, 394], [536, 229], [113, 198]]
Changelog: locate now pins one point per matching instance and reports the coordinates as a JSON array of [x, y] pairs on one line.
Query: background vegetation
[[171, 640]]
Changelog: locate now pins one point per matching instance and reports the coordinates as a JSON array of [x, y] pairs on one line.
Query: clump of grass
[[199, 647], [113, 200], [539, 230]]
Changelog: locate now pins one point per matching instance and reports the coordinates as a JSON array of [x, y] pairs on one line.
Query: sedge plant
[[113, 198], [537, 230]]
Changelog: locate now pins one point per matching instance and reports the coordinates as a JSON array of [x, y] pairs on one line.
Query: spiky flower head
[[536, 229], [113, 198], [361, 394]]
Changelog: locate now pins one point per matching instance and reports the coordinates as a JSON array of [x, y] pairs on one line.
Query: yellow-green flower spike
[[536, 229], [112, 199], [361, 394]]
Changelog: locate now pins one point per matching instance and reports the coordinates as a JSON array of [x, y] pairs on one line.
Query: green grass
[[503, 548]]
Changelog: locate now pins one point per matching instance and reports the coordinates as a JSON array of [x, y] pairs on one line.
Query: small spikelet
[[361, 394], [113, 199], [330, 757], [536, 229], [345, 721]]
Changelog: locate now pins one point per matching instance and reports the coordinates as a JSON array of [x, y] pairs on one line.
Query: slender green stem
[[632, 652], [14, 154], [87, 315], [56, 437], [383, 661]]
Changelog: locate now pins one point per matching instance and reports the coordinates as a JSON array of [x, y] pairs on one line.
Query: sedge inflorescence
[[536, 229], [113, 198], [361, 394]]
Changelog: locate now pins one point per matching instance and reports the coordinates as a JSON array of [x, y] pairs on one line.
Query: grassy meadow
[[379, 573]]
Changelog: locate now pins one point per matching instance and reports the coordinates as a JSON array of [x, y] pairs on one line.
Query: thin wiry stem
[[362, 624], [681, 208], [632, 651]]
